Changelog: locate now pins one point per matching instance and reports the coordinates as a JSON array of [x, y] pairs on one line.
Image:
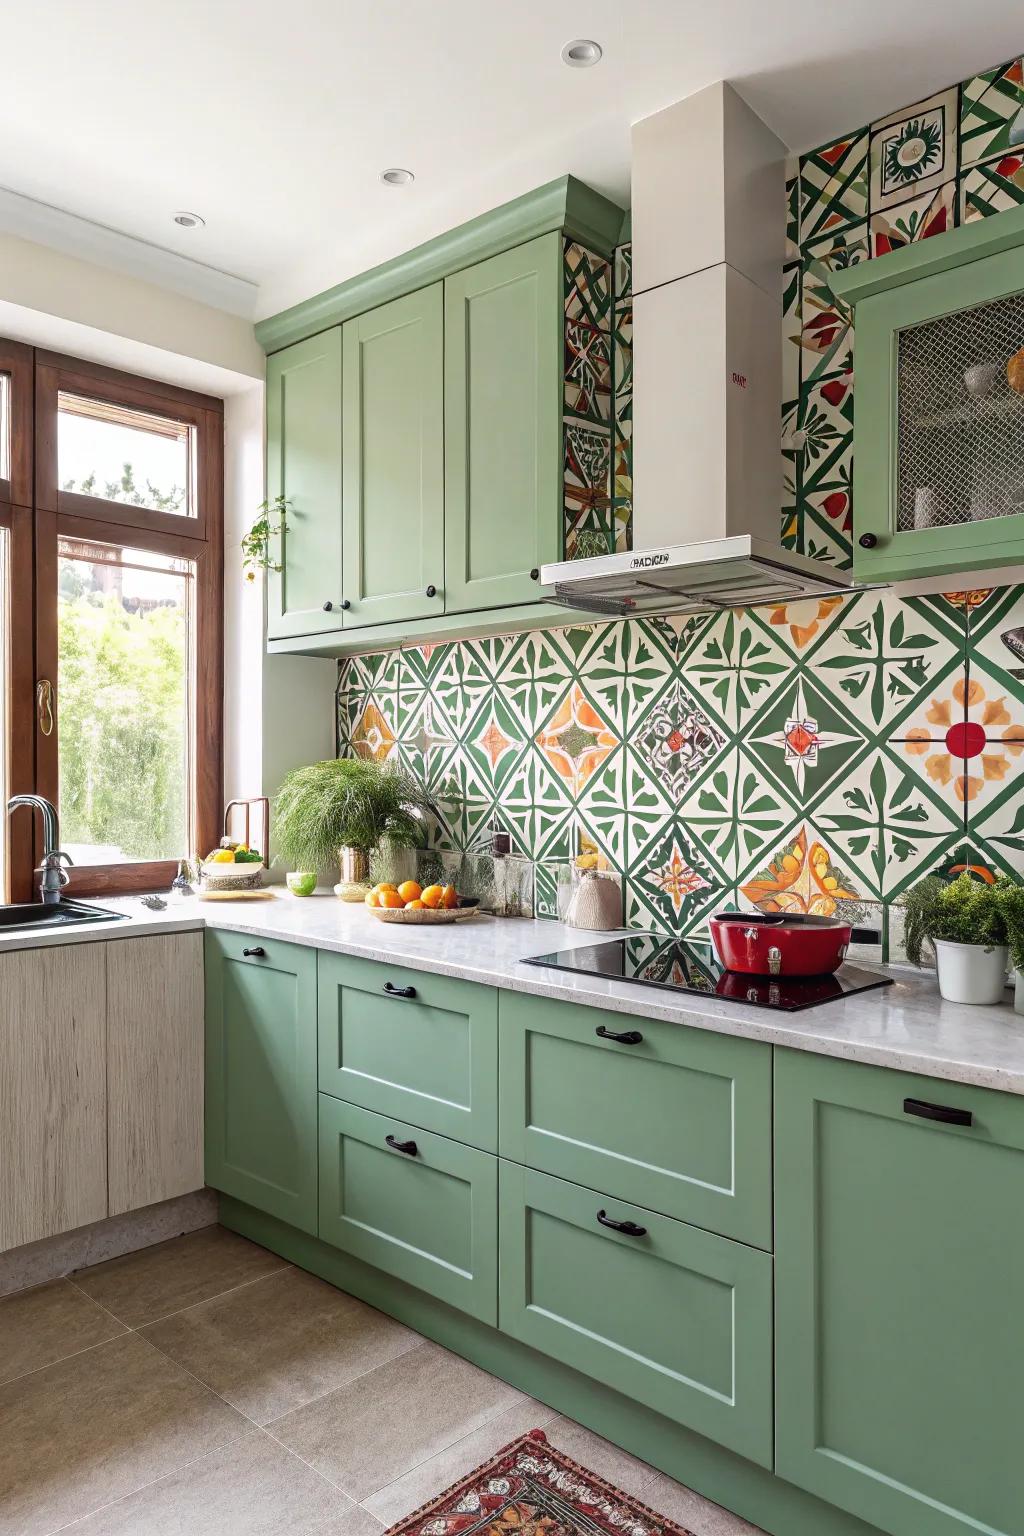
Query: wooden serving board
[[263, 895]]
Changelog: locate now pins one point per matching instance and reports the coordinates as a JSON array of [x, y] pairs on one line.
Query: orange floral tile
[[576, 740], [800, 877]]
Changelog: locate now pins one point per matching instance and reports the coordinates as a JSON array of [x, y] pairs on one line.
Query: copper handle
[[45, 698]]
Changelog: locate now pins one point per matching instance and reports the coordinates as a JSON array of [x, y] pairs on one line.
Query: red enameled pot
[[780, 943]]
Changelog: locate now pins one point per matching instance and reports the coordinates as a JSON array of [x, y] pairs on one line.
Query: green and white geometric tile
[[826, 333], [802, 742], [834, 187], [674, 886], [930, 213], [733, 664], [883, 659], [913, 150], [887, 824], [626, 667], [588, 372], [994, 187], [792, 251], [733, 813], [587, 282], [824, 468], [992, 113]]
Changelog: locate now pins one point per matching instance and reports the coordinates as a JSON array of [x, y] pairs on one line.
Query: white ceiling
[[273, 119]]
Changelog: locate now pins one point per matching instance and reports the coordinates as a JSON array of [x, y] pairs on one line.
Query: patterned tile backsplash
[[813, 758]]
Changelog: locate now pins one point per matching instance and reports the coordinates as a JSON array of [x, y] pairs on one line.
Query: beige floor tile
[[432, 1477], [372, 1431], [281, 1342], [95, 1427], [644, 1482], [253, 1487], [144, 1286], [49, 1323]]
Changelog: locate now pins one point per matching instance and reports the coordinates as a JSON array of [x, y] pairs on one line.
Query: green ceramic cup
[[301, 882]]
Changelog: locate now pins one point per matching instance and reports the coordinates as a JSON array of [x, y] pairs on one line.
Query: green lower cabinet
[[411, 1043], [261, 1088], [675, 1318], [415, 1205], [674, 1119], [900, 1280]]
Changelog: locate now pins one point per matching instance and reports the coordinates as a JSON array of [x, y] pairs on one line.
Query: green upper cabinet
[[393, 456], [503, 381], [938, 482], [899, 1276], [304, 464], [261, 1092]]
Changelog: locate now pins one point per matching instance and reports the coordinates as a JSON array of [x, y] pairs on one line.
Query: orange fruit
[[385, 885], [372, 898], [449, 897], [391, 900], [410, 890], [415, 905], [432, 896]]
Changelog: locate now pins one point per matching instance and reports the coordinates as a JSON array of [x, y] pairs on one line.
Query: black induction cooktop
[[654, 961]]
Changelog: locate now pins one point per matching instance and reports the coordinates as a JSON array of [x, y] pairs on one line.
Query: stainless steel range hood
[[708, 246]]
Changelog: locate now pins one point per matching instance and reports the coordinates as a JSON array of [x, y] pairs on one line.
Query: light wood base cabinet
[[101, 1081], [53, 1141]]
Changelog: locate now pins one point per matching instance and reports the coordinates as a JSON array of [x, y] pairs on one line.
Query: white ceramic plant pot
[[1018, 991], [971, 973]]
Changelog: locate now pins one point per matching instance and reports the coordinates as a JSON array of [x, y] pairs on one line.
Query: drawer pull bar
[[399, 991], [627, 1228], [257, 952], [408, 1147], [627, 1037], [943, 1112]]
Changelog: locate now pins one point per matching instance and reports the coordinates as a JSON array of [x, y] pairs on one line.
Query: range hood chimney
[[708, 227]]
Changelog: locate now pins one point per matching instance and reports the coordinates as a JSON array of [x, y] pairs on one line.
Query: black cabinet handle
[[535, 573], [431, 590], [627, 1228], [393, 991], [329, 607], [627, 1037], [408, 1147], [868, 540], [257, 952], [944, 1112]]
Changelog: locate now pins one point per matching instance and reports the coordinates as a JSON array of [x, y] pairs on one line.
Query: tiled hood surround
[[831, 750]]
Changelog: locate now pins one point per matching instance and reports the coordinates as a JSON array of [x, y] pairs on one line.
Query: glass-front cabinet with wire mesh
[[938, 474]]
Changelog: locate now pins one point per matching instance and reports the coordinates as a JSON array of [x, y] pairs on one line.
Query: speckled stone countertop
[[906, 1026]]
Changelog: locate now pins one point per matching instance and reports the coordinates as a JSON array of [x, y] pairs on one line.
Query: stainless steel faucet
[[53, 875]]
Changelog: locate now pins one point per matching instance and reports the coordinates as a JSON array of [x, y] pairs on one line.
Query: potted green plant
[[1011, 897], [965, 923], [341, 810]]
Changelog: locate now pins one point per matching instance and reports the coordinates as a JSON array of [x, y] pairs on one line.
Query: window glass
[[5, 695], [124, 686], [121, 454], [5, 426]]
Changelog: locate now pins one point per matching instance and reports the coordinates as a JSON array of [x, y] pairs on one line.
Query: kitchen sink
[[31, 916]]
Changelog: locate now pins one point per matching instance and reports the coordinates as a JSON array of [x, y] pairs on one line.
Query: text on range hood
[[707, 376]]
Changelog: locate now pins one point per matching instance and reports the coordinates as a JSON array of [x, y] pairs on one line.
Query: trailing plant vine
[[257, 544]]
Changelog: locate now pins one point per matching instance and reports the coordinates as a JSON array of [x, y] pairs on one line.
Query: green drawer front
[[679, 1122], [261, 1074], [677, 1319], [429, 1218], [431, 1058]]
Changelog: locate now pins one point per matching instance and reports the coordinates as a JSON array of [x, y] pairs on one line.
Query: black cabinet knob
[[535, 573], [868, 540], [328, 607], [431, 590], [256, 953]]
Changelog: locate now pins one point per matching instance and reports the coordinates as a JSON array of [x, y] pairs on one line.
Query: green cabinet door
[[415, 1205], [664, 1313], [393, 453], [411, 1043], [261, 1141], [678, 1120], [304, 464], [502, 392], [900, 1277]]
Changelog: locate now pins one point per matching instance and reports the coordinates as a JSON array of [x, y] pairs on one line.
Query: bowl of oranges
[[411, 902]]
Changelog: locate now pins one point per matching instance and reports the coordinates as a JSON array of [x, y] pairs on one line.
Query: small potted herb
[[1011, 897], [342, 810], [965, 923]]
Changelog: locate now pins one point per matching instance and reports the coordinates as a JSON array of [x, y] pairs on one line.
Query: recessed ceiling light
[[189, 220], [396, 177], [581, 53]]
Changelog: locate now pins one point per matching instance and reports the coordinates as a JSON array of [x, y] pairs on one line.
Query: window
[[120, 623]]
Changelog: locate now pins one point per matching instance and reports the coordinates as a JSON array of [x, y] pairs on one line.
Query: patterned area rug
[[530, 1489]]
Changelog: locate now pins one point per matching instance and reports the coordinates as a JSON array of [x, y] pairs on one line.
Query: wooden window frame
[[60, 514], [20, 714]]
